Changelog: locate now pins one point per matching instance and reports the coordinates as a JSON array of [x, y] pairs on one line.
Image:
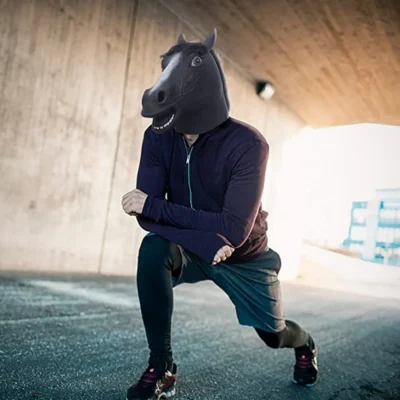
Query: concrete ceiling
[[334, 62]]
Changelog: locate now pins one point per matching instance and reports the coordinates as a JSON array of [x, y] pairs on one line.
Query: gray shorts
[[253, 287]]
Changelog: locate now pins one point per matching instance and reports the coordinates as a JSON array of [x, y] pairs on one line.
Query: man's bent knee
[[153, 243], [156, 252]]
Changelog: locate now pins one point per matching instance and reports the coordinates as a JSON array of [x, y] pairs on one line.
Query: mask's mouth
[[164, 122]]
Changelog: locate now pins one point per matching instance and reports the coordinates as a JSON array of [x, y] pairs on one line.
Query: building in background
[[374, 231], [343, 164]]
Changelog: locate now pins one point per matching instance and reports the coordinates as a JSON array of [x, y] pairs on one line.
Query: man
[[199, 187]]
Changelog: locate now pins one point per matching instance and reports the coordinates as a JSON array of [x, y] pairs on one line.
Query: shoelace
[[302, 361], [149, 377]]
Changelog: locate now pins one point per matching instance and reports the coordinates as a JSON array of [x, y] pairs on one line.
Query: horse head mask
[[190, 96]]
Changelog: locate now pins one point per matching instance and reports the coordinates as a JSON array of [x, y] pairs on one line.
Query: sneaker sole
[[306, 385], [167, 395]]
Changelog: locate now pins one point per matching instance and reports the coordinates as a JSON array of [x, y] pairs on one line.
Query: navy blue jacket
[[208, 195]]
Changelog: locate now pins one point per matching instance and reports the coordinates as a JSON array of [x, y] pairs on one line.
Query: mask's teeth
[[166, 124]]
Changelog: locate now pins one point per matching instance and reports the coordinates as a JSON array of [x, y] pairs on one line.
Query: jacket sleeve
[[204, 244], [152, 180], [241, 204], [152, 177]]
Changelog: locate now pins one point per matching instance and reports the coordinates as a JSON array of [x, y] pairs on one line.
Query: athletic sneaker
[[306, 367], [154, 384]]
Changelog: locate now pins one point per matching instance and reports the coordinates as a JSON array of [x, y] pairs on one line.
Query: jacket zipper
[[188, 155]]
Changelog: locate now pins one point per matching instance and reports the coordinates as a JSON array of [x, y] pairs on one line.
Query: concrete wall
[[62, 72], [71, 79]]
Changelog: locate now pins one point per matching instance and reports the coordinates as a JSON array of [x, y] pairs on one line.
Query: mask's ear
[[211, 39], [181, 39]]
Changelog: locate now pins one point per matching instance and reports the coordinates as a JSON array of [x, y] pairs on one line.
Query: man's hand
[[133, 202], [222, 254]]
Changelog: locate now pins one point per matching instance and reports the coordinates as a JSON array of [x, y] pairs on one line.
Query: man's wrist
[[212, 248], [151, 208], [147, 207]]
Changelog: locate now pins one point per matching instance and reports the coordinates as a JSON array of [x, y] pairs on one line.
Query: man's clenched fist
[[222, 254], [133, 202]]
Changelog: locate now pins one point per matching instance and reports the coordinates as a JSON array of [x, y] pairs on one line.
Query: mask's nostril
[[161, 96]]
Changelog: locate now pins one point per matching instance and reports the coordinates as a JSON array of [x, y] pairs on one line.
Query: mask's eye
[[197, 61]]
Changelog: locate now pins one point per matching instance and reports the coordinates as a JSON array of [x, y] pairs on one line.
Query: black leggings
[[292, 336], [159, 260]]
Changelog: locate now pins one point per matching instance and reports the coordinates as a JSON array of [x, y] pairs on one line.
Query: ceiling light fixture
[[265, 89]]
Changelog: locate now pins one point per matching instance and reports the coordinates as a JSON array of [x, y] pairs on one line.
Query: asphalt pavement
[[81, 338]]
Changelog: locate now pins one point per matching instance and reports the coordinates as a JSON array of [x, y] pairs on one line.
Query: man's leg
[[158, 260], [255, 290], [291, 336], [161, 266]]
